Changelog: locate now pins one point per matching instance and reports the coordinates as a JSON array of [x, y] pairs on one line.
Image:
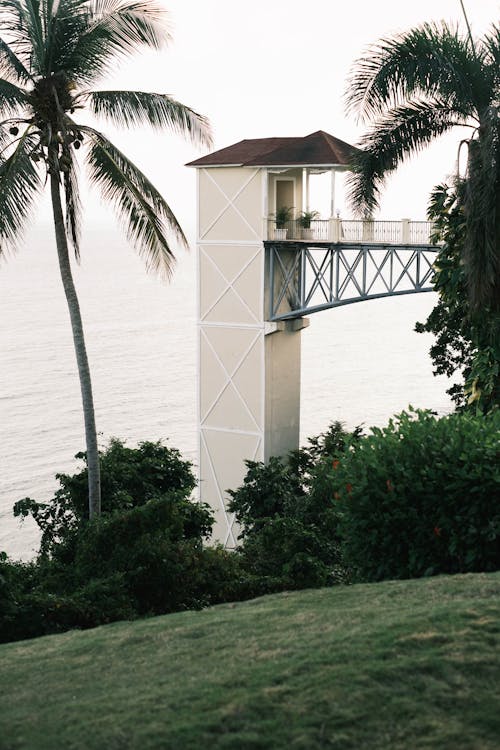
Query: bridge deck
[[306, 277]]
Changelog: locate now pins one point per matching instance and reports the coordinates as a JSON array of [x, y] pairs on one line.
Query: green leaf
[[11, 98], [402, 131], [20, 184], [132, 108], [144, 213], [114, 29], [430, 61]]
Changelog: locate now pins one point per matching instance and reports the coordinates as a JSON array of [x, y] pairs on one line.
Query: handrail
[[404, 232]]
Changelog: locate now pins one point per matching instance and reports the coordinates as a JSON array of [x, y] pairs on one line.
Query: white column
[[332, 194], [334, 226], [305, 189], [405, 231], [282, 388], [265, 204], [249, 370]]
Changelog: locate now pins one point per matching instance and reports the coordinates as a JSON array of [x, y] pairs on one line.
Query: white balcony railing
[[404, 232]]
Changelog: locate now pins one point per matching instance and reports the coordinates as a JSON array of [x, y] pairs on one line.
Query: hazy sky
[[276, 68]]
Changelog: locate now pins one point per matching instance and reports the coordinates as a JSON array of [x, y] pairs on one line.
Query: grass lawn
[[395, 665]]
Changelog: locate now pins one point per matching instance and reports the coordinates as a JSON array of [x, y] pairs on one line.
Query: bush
[[144, 555], [421, 497], [157, 548], [129, 478], [290, 530], [40, 611]]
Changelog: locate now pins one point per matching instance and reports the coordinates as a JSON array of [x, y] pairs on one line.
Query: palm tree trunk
[[94, 479]]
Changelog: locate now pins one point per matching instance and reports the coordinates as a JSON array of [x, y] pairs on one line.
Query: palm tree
[[52, 54], [413, 88]]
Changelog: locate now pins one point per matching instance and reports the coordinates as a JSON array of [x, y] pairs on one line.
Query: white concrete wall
[[249, 382]]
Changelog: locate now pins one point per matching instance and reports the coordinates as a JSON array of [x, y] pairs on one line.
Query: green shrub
[[16, 581], [289, 526], [157, 548], [129, 478], [40, 611], [144, 555], [421, 497]]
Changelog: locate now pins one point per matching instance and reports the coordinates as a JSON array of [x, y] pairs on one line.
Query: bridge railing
[[306, 278], [404, 232]]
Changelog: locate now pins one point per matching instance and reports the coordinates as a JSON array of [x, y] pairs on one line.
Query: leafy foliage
[[414, 87], [466, 342], [144, 555], [289, 533], [420, 497], [130, 478]]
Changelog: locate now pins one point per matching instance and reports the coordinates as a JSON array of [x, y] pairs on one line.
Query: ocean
[[360, 364]]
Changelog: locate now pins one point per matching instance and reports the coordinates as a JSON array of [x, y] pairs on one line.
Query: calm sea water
[[361, 364]]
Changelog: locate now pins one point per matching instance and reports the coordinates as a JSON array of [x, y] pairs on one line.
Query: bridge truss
[[305, 278]]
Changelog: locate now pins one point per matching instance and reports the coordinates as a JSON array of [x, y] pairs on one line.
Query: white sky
[[276, 68]]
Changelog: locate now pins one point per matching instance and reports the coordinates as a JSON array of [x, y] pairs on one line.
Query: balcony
[[367, 231]]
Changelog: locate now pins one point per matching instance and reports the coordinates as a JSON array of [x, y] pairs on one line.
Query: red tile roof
[[316, 149]]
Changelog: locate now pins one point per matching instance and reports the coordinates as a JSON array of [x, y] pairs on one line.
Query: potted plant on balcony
[[304, 221], [283, 215]]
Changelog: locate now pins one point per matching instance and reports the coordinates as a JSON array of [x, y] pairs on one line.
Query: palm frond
[[132, 108], [17, 53], [136, 22], [11, 98], [34, 33], [114, 29], [144, 214], [491, 44], [20, 184], [73, 206], [11, 67], [482, 208], [431, 61], [64, 22], [403, 131]]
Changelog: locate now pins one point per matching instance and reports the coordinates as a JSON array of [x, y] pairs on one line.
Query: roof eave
[[300, 165], [271, 166], [204, 166]]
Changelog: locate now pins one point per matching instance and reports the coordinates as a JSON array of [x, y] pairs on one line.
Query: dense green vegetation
[[144, 555], [416, 498], [421, 497], [412, 88], [290, 535], [400, 665], [466, 343]]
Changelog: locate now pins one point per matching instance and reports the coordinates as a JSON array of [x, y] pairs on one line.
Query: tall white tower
[[249, 368]]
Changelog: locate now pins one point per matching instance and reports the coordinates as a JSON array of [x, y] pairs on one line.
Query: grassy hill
[[396, 665]]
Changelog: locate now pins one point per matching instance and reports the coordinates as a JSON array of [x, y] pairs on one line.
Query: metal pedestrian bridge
[[306, 277]]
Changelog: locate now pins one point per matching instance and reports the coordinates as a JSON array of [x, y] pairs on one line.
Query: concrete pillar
[[332, 193], [305, 189], [334, 230], [405, 231], [249, 369], [282, 388], [368, 230]]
